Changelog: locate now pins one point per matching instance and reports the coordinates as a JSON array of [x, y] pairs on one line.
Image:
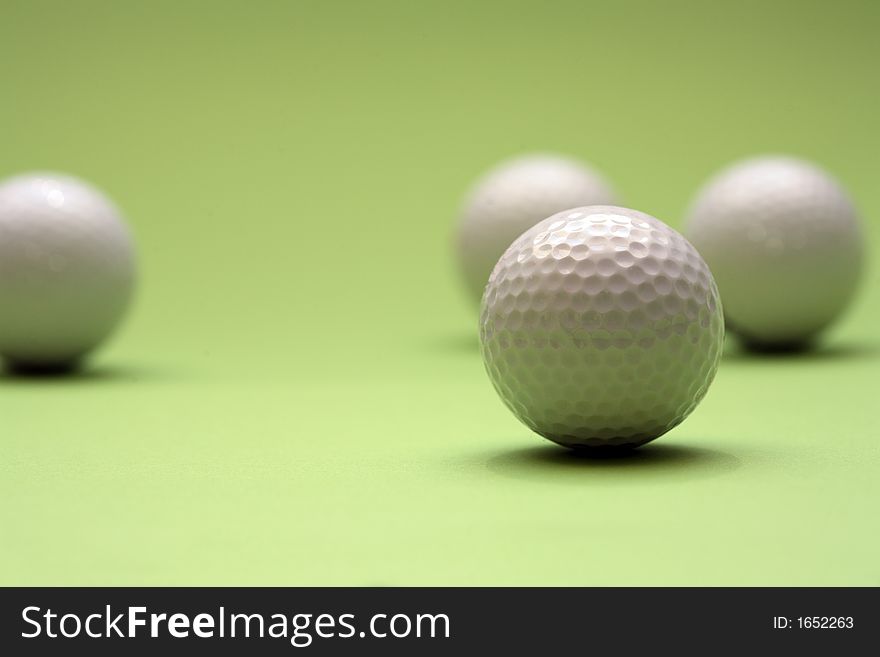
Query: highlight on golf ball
[[513, 197], [601, 327], [784, 243], [66, 270]]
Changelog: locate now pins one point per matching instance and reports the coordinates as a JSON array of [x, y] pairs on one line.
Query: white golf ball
[[601, 326], [66, 269], [513, 197], [784, 244]]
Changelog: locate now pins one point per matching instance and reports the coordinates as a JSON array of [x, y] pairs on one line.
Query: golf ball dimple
[[513, 197], [601, 326], [784, 243], [66, 269]]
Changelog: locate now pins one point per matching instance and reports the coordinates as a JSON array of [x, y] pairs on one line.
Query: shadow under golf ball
[[807, 353], [69, 375], [649, 462]]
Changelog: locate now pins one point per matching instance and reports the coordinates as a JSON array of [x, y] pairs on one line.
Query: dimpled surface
[[513, 197], [601, 326], [66, 269], [784, 243]]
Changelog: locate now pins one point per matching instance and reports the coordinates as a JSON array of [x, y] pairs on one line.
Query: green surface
[[297, 397]]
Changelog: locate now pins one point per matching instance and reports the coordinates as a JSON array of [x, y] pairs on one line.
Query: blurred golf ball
[[513, 197], [601, 326], [66, 269], [784, 244]]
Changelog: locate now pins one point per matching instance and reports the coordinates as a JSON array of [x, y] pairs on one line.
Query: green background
[[297, 395]]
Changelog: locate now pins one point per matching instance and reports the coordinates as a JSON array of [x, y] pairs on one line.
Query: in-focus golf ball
[[513, 197], [784, 244], [66, 269], [601, 326]]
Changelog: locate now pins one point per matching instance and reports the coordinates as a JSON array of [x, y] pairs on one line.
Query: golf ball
[[601, 326], [513, 197], [66, 269], [784, 243]]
